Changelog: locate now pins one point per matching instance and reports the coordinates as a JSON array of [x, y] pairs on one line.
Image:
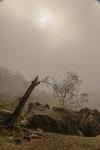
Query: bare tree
[[68, 90]]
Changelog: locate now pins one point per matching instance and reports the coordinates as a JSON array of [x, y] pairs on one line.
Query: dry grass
[[52, 141]]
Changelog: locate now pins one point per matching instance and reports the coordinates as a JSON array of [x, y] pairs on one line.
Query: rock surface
[[86, 122], [52, 120]]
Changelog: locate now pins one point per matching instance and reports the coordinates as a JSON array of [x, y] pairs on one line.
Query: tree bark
[[15, 115]]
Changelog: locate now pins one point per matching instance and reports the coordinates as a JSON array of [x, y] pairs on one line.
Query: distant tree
[[68, 91]]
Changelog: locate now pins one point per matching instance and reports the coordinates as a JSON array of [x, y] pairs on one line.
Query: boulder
[[52, 120], [89, 122], [4, 114]]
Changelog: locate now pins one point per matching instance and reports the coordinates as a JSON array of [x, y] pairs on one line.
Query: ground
[[51, 141]]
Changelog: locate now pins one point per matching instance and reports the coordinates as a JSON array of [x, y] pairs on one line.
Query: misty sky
[[52, 37]]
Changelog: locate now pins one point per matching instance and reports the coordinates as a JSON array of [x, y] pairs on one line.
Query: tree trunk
[[15, 115]]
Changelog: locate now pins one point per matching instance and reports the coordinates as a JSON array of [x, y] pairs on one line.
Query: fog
[[70, 39]]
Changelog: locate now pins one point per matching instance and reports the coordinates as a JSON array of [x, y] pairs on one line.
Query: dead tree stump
[[12, 120]]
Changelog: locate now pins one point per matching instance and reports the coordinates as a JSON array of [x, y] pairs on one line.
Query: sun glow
[[44, 20]]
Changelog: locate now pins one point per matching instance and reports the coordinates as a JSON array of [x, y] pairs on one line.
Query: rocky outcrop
[[53, 120], [4, 114], [86, 122]]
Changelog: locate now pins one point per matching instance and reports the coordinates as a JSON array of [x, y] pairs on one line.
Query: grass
[[52, 141]]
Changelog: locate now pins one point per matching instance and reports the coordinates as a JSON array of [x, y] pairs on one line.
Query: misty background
[[70, 40]]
